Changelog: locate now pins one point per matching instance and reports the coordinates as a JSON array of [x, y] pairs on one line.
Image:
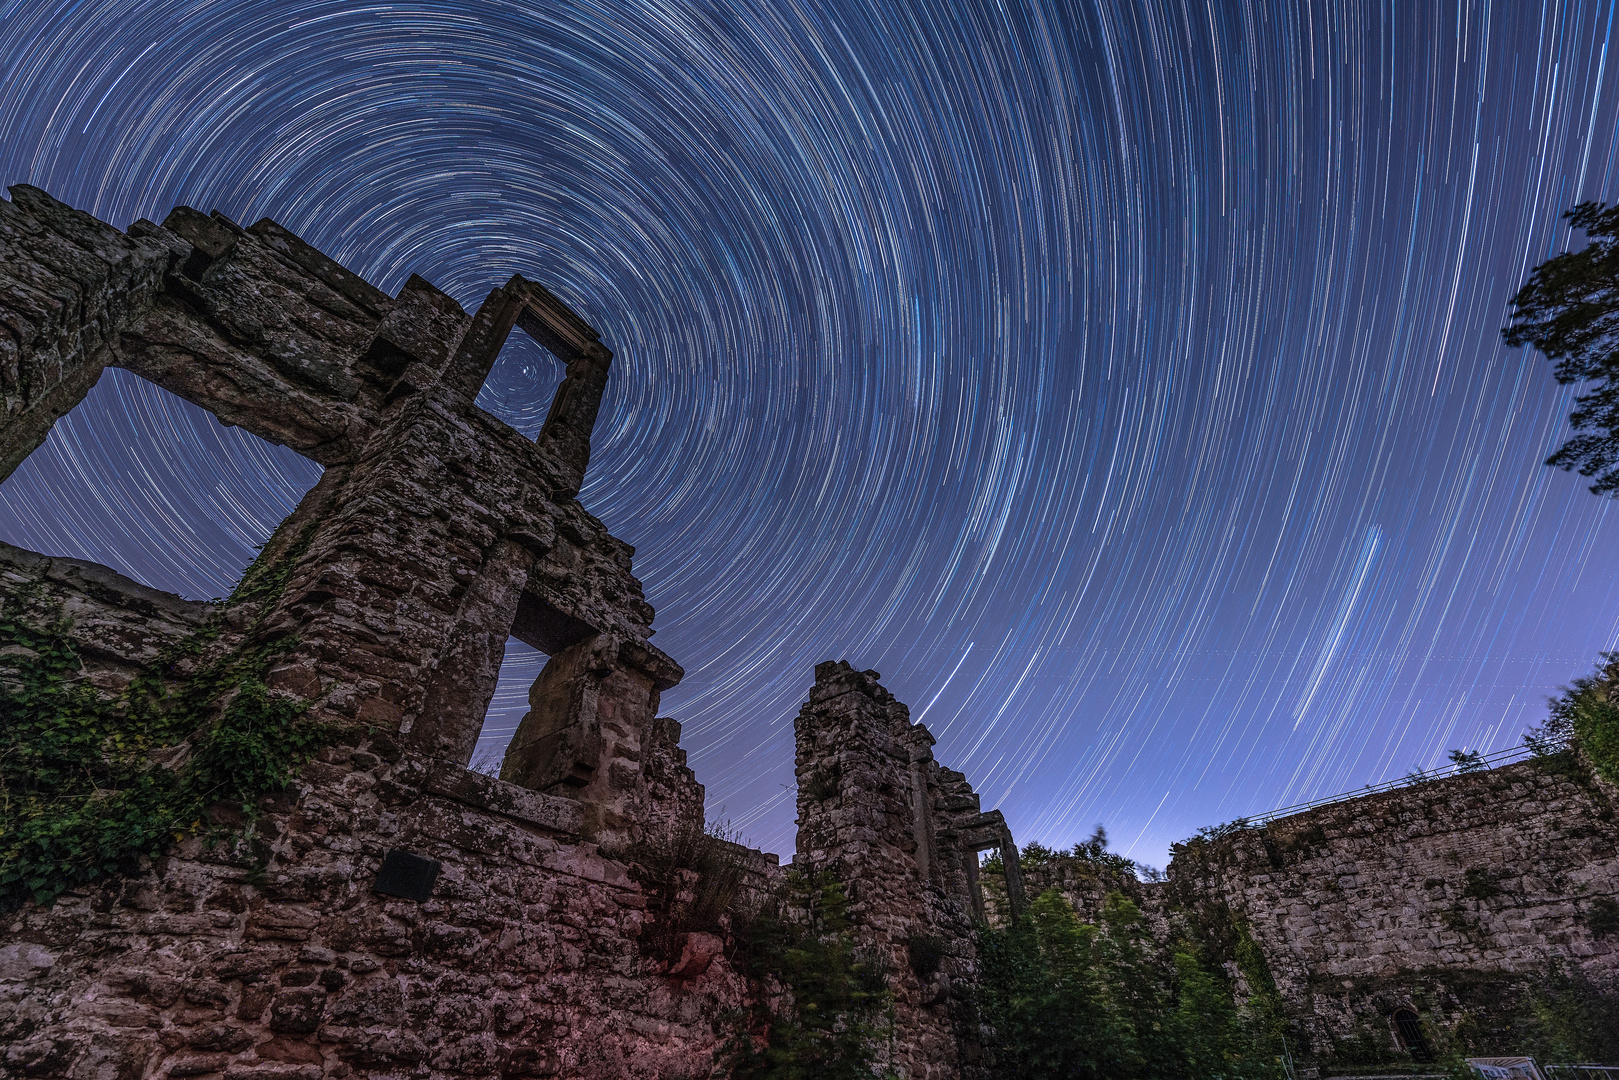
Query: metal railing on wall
[[1478, 763]]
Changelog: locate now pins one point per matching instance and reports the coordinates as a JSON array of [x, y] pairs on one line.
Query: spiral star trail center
[[1122, 380]]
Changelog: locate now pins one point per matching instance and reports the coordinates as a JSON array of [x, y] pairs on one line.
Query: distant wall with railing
[[1456, 890], [1473, 763]]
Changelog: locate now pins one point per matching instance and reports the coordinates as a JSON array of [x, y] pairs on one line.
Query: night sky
[[1123, 381]]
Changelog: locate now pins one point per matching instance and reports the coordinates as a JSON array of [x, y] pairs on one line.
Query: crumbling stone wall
[[523, 962], [71, 286], [1449, 897], [1456, 894], [1086, 885], [878, 813], [435, 532]]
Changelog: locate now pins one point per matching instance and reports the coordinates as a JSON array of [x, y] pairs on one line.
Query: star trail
[[1123, 381]]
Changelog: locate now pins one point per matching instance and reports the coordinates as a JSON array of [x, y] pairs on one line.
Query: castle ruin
[[394, 913]]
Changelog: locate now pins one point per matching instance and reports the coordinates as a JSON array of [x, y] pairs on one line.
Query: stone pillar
[[861, 770], [920, 741], [462, 683], [1015, 898], [566, 433]]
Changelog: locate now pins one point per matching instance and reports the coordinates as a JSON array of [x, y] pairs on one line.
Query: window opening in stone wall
[[522, 383], [984, 860], [142, 481], [1408, 1026], [520, 666]]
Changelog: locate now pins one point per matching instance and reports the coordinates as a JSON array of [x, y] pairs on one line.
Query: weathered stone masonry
[[876, 811], [1453, 895], [1446, 897], [435, 533]]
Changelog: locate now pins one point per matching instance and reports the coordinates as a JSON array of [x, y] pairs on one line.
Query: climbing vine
[[92, 782]]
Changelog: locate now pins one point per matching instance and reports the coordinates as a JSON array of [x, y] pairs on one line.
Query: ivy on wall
[[93, 783]]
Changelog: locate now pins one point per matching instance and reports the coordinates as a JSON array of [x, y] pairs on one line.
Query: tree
[[1569, 310], [1075, 1001], [1585, 716]]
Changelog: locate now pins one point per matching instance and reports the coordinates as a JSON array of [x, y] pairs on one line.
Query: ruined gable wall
[[434, 532], [877, 813], [1456, 893]]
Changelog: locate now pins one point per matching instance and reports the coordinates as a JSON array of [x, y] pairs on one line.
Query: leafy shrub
[[831, 1030], [1583, 716], [1095, 852], [1074, 1000], [1570, 1018], [1035, 854], [1207, 835]]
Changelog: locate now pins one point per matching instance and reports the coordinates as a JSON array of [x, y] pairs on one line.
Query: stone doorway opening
[[140, 480], [1408, 1029]]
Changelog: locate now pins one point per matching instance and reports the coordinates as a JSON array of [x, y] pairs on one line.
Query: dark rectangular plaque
[[407, 875]]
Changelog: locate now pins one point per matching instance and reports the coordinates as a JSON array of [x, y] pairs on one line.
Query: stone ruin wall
[[877, 812], [1449, 896], [435, 532], [1455, 895]]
